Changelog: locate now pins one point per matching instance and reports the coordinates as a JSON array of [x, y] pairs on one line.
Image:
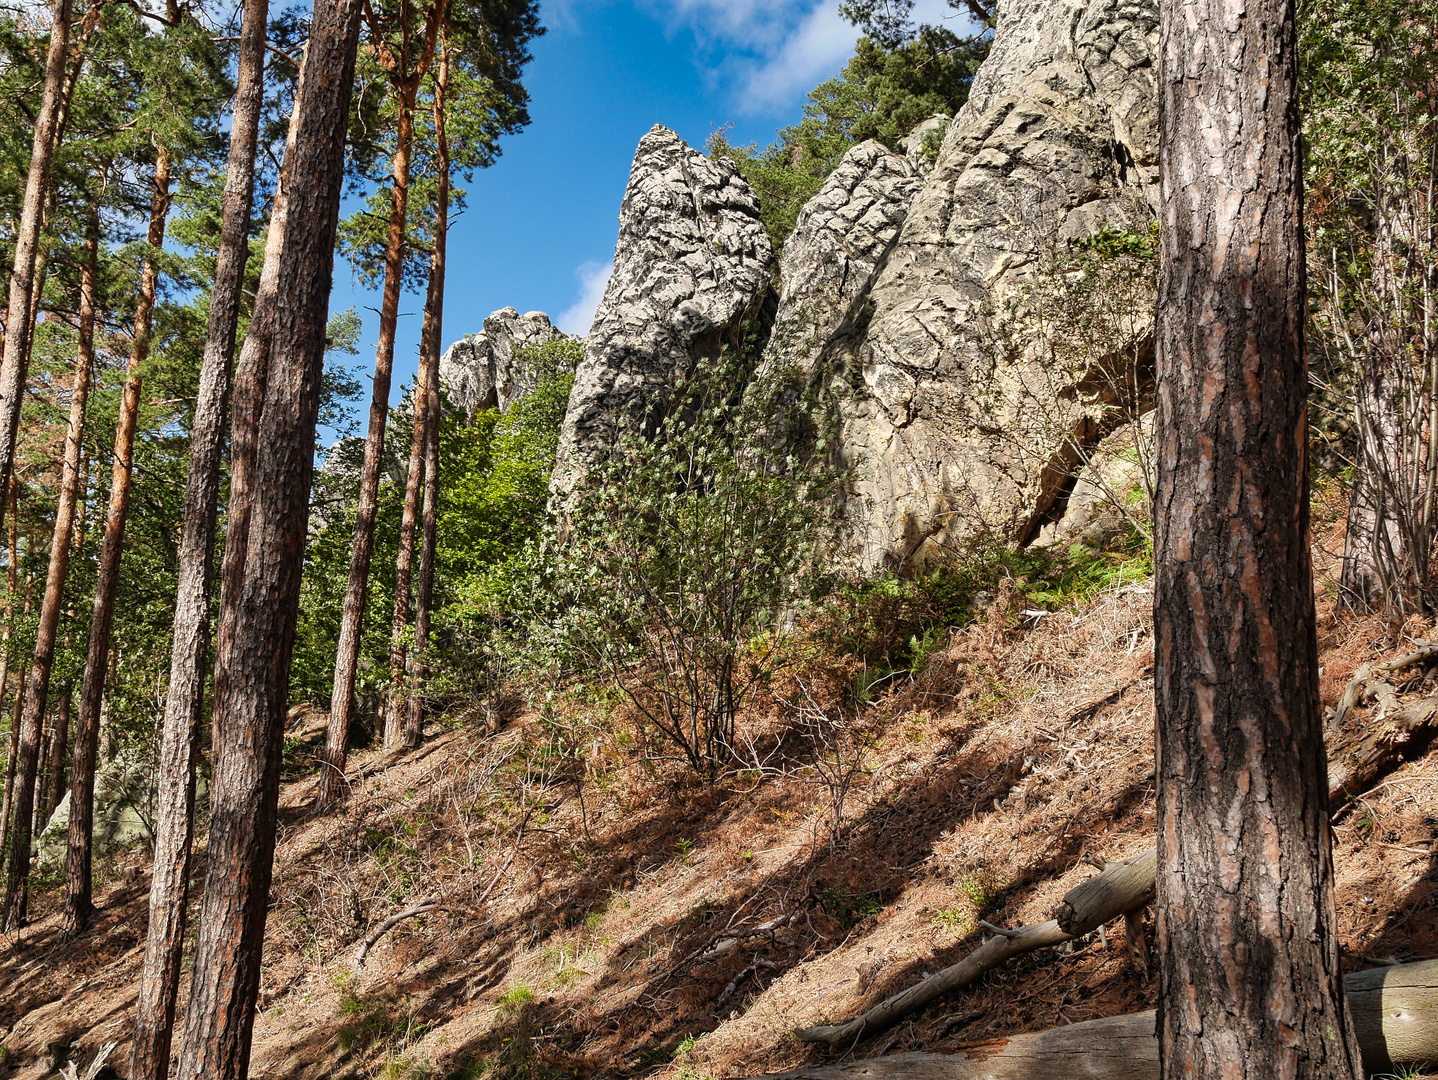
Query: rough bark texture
[[12, 581], [261, 575], [180, 738], [434, 312], [38, 685], [19, 321], [55, 767], [1393, 1010], [1249, 971], [107, 578]]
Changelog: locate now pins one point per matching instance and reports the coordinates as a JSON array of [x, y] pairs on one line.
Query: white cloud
[[811, 52], [579, 316]]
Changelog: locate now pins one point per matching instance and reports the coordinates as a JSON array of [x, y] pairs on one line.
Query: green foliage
[[682, 553]]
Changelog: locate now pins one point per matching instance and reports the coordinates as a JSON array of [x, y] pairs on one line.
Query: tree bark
[[1249, 981], [59, 743], [12, 582], [342, 699], [38, 685], [19, 325], [184, 702], [432, 340], [78, 906], [259, 597]]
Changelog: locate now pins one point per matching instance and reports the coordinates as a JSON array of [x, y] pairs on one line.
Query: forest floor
[[586, 884]]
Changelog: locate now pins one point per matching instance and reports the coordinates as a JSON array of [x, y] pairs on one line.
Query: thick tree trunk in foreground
[[38, 685], [259, 596], [184, 703], [19, 323], [342, 696], [78, 905], [1249, 980], [434, 322]]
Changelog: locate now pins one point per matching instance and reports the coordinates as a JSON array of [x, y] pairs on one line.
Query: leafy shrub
[[682, 555]]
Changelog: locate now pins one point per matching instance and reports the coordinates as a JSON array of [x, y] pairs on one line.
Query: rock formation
[[691, 277], [921, 146], [954, 412], [480, 372], [829, 260]]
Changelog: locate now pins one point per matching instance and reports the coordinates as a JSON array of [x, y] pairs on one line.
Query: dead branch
[[1359, 686], [1395, 1014], [1357, 760], [1124, 885]]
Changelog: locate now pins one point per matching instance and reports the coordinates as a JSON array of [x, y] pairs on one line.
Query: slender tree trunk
[[12, 582], [1249, 982], [431, 341], [180, 740], [38, 685], [19, 327], [259, 597], [59, 743], [78, 856], [342, 696]]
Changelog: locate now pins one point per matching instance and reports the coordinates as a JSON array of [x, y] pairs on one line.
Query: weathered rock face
[[480, 371], [922, 145], [953, 411], [829, 261], [691, 275]]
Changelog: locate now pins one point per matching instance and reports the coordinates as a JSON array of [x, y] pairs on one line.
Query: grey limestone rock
[[692, 271], [480, 372], [956, 418], [842, 235]]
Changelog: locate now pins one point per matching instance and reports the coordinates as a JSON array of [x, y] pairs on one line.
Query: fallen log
[[1122, 886], [1359, 684], [1395, 1014], [1356, 760]]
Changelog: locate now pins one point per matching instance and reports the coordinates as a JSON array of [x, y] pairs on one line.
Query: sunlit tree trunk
[[55, 771], [261, 576], [1249, 978], [19, 319], [433, 337], [12, 581], [78, 905], [38, 684], [180, 737]]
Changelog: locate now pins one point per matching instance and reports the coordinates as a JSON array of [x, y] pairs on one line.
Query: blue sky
[[540, 226]]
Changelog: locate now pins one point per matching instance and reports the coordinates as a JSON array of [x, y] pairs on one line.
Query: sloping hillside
[[598, 912]]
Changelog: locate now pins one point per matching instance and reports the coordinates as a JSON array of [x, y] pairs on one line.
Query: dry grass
[[974, 791]]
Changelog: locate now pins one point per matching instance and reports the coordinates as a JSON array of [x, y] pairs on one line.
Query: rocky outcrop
[[481, 372], [691, 276], [957, 416], [829, 261], [922, 145]]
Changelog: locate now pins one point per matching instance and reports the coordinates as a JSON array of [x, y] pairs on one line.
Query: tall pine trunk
[[261, 576], [12, 582], [19, 321], [342, 696], [1249, 981], [432, 339], [37, 686], [184, 703], [78, 906]]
